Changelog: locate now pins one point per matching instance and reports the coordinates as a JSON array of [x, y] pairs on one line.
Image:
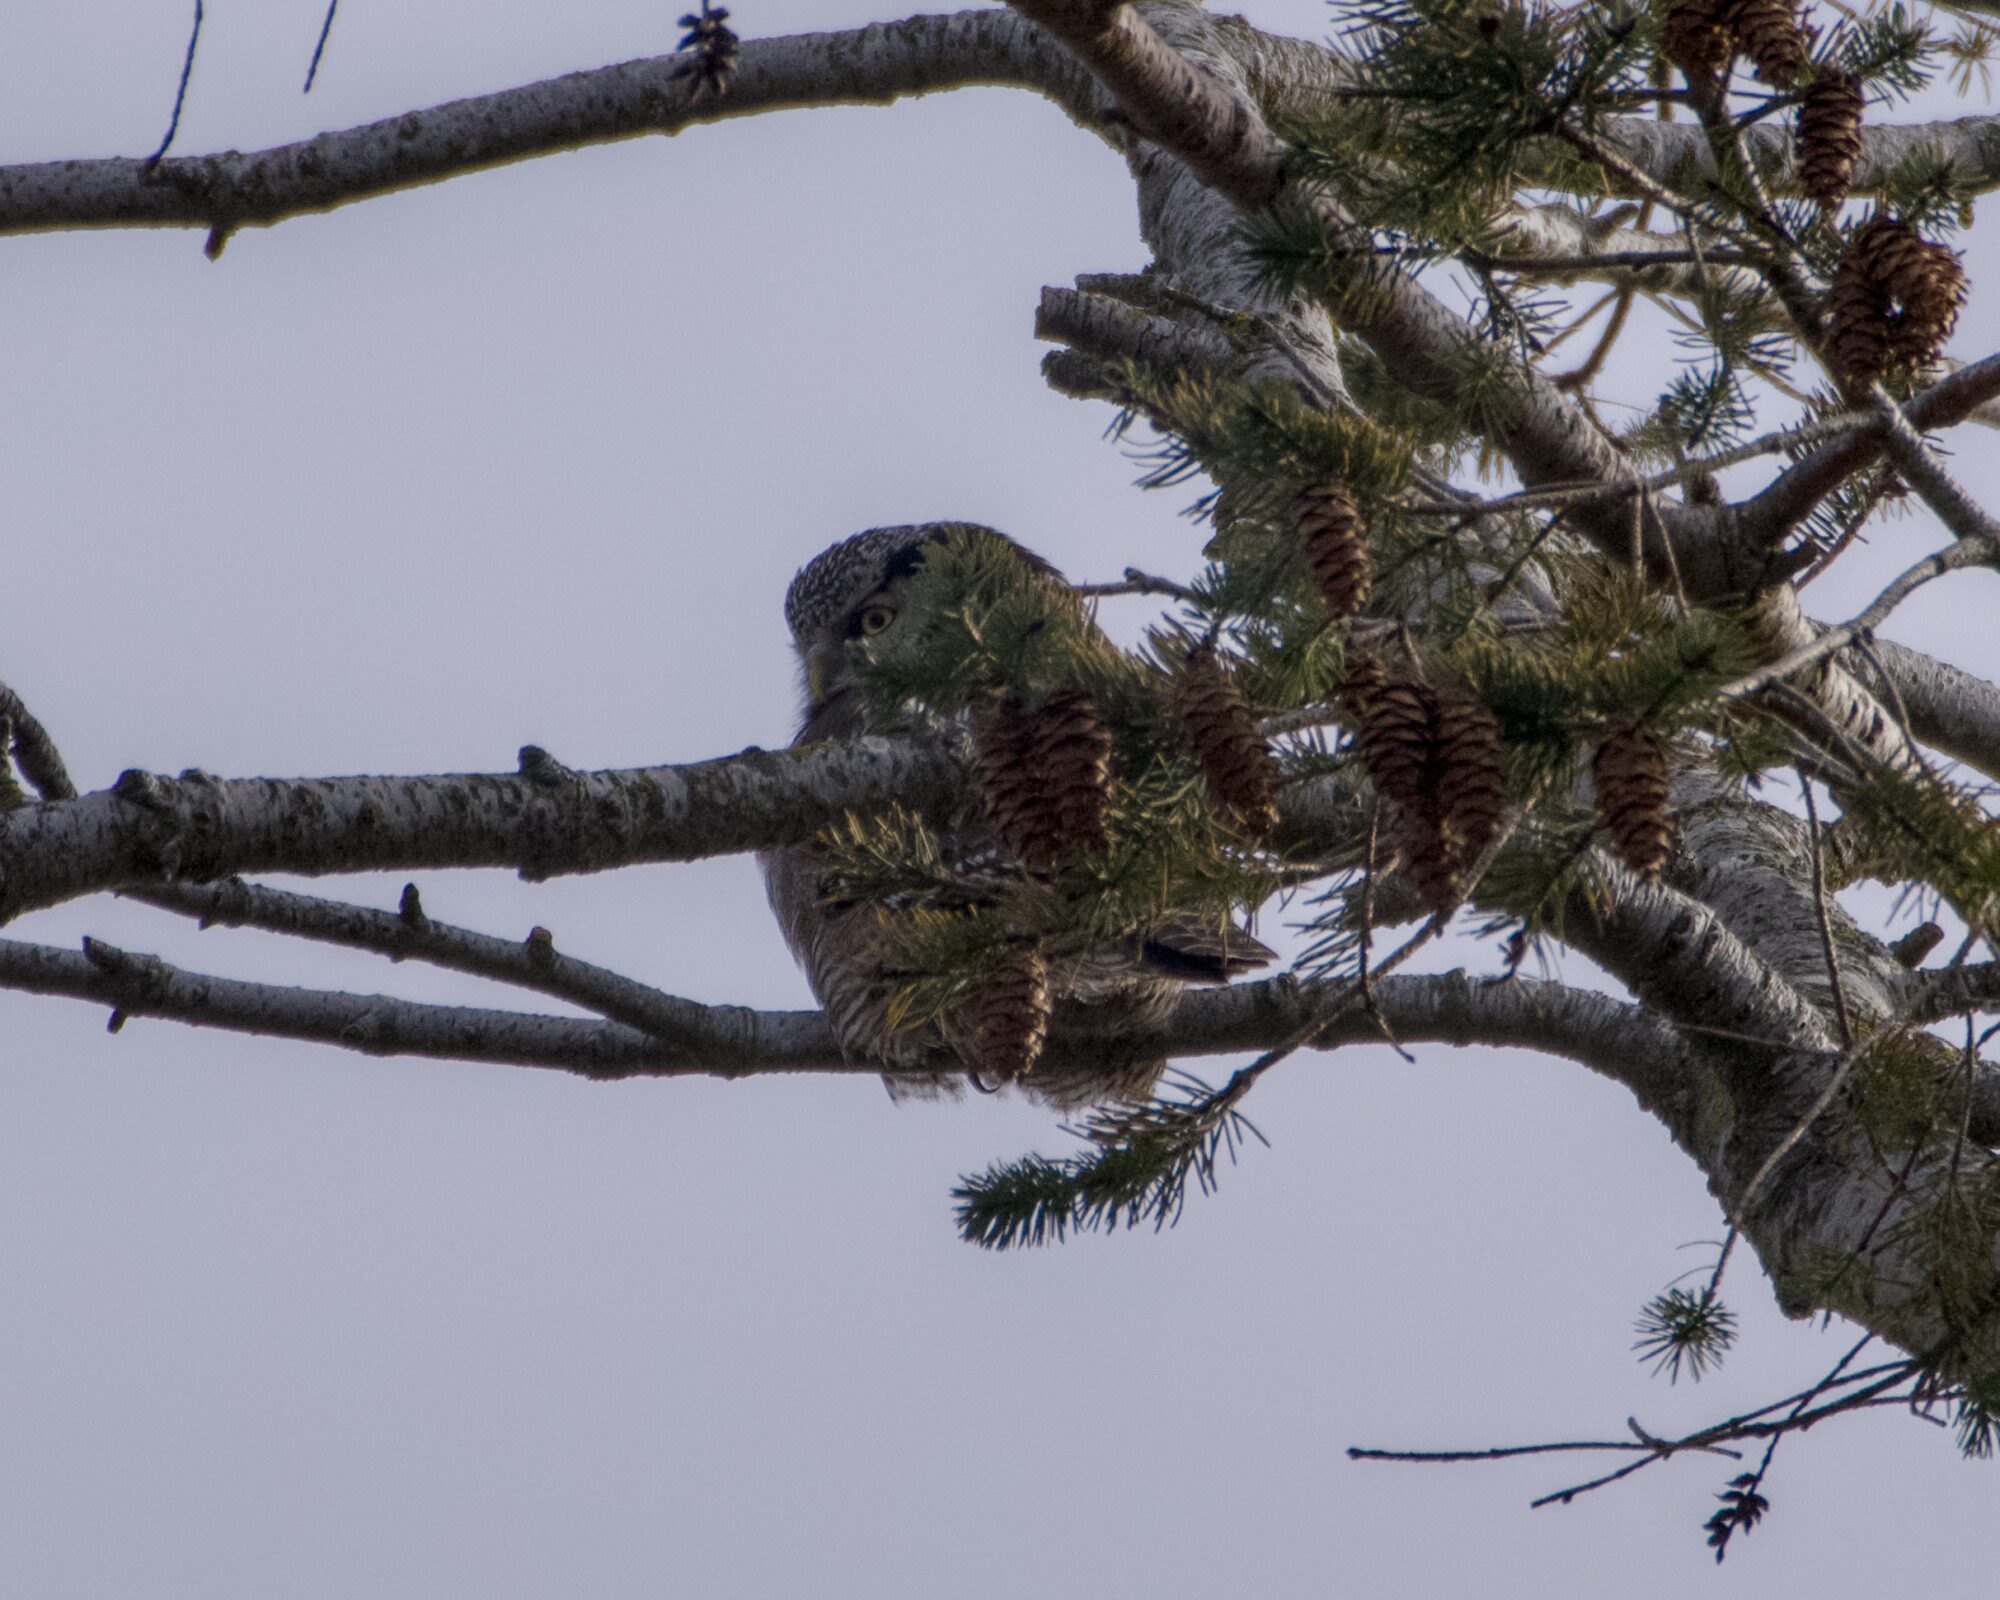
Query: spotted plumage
[[858, 590]]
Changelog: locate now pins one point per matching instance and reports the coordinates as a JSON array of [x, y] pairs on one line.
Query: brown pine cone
[[1364, 680], [1932, 289], [1894, 253], [1043, 775], [1695, 37], [1829, 136], [1242, 776], [1770, 34], [1630, 771], [1906, 270], [1395, 739], [1857, 315], [1333, 537], [1435, 866], [1471, 786], [999, 1029]]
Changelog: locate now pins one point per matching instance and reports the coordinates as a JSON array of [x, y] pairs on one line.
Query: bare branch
[[1950, 709], [543, 821], [226, 191], [381, 1025], [1766, 519], [34, 752], [407, 934], [1219, 134]]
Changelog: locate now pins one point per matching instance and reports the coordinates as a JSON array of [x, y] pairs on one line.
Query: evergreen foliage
[[1682, 1331], [1469, 672], [1135, 1167]]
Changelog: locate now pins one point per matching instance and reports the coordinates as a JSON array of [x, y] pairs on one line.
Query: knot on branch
[[135, 983]]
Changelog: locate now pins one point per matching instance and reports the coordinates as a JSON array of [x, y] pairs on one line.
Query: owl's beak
[[817, 665]]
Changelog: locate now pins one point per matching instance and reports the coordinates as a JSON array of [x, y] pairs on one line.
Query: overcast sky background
[[531, 456]]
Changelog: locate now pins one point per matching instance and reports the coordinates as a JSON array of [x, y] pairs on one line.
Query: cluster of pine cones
[[1895, 298], [1702, 37], [1436, 758], [1042, 774]]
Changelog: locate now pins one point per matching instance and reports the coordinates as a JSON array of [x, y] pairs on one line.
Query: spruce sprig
[[1136, 1167]]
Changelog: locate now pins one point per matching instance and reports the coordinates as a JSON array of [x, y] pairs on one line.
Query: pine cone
[[1630, 771], [1857, 314], [1332, 534], [1894, 253], [1044, 775], [1242, 777], [1769, 32], [1365, 679], [1900, 268], [1930, 283], [1829, 137], [1471, 791], [999, 1030], [1398, 727], [1696, 39], [1428, 856]]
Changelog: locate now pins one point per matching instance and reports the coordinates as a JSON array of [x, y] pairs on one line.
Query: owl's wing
[[839, 949], [1200, 949]]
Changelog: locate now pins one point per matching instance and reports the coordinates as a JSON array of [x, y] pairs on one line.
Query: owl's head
[[856, 591]]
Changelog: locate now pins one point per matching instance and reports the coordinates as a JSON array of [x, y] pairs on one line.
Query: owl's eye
[[876, 618]]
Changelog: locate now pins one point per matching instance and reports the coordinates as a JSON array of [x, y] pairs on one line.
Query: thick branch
[[1949, 709], [1215, 130], [1679, 153], [544, 821], [1762, 522]]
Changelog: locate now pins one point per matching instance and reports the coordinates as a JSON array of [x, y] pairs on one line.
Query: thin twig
[[180, 94], [1137, 582], [319, 49]]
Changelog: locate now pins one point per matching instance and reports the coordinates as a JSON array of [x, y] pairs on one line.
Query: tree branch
[[407, 934], [874, 65], [1612, 1038], [738, 1041], [1763, 521], [1680, 152], [543, 821], [1949, 709]]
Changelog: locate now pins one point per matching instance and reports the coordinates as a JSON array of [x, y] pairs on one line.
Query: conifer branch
[[1769, 516], [1973, 551], [1842, 1391], [1612, 1038]]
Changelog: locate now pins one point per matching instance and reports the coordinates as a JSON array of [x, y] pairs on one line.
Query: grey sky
[[530, 457]]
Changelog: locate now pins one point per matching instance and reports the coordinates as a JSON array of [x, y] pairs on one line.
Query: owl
[[846, 606]]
